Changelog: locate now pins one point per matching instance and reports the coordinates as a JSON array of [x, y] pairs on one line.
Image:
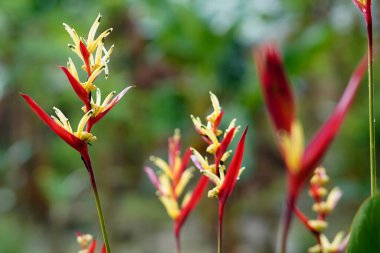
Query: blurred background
[[174, 52]]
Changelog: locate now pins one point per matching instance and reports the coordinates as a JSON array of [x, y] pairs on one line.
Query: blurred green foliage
[[174, 52]]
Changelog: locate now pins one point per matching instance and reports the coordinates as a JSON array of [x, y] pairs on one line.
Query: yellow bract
[[292, 145]]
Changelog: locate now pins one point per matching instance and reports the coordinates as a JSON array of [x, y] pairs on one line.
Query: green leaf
[[365, 234]]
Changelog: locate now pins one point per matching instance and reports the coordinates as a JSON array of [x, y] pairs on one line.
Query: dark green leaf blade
[[365, 231]]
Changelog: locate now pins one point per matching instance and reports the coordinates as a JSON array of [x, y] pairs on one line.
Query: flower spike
[[171, 182], [95, 58], [217, 172], [300, 162]]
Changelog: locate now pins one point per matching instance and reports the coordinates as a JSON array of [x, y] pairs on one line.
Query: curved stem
[[371, 110], [87, 161]]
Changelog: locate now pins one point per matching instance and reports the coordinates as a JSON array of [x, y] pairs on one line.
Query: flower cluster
[[324, 203], [171, 181], [95, 57], [218, 142], [88, 244], [300, 161], [173, 177], [211, 133]]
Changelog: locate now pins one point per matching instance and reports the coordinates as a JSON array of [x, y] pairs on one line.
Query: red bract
[[86, 57], [78, 88], [277, 92], [300, 162], [233, 171], [186, 210], [68, 137]]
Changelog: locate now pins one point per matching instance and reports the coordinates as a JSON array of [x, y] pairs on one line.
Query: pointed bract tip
[[276, 89]]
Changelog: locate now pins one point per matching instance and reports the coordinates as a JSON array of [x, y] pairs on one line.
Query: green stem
[[371, 112], [101, 220], [87, 162]]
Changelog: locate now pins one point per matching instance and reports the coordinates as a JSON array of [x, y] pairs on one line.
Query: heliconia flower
[[300, 161], [95, 59], [61, 126], [88, 244], [216, 172], [171, 182], [223, 178]]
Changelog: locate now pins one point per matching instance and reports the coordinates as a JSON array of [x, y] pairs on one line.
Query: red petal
[[92, 247], [184, 163], [233, 170], [78, 88], [186, 210], [86, 57], [277, 92], [69, 138], [218, 120], [103, 249], [223, 146], [112, 103], [321, 141]]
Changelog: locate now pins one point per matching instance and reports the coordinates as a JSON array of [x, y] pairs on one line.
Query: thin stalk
[[177, 243], [371, 109], [101, 219], [87, 161], [220, 229]]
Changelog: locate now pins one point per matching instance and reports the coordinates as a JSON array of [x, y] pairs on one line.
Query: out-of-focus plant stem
[[177, 244], [220, 229], [371, 109], [101, 219]]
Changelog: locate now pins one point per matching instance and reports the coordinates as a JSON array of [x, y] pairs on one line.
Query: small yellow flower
[[292, 146]]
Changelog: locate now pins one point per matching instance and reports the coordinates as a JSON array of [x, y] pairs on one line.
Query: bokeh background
[[174, 52]]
